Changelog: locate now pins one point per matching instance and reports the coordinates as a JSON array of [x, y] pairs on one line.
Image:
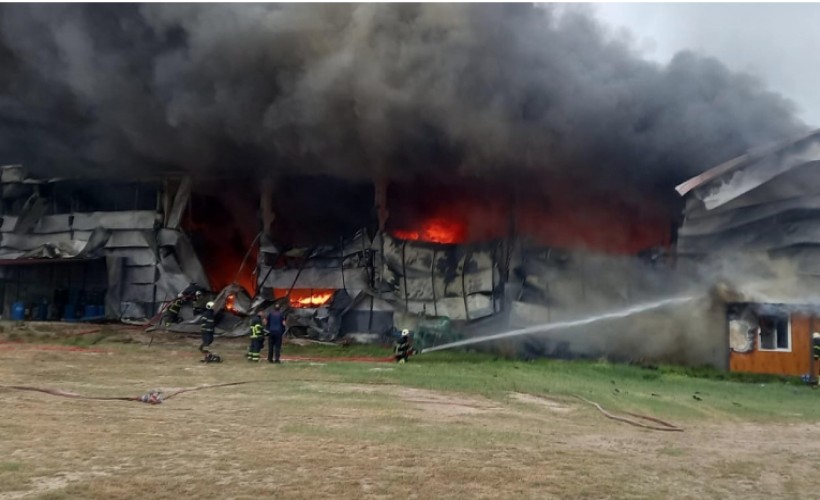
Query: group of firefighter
[[261, 325]]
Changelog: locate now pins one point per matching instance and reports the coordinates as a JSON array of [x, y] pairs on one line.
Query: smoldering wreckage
[[357, 250]]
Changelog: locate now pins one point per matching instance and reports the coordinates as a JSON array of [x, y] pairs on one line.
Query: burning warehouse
[[448, 260], [354, 259], [451, 169]]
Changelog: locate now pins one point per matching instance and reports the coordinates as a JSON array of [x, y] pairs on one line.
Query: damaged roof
[[740, 175], [766, 200]]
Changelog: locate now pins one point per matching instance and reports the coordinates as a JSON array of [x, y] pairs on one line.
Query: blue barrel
[[18, 311]]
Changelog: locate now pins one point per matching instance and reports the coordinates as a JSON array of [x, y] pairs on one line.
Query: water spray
[[545, 327]]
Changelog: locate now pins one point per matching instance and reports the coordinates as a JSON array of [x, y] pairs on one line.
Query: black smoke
[[363, 91]]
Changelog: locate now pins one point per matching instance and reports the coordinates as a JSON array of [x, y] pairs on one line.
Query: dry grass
[[304, 431]]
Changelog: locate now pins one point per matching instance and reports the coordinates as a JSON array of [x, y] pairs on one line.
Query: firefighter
[[276, 330], [199, 302], [208, 326], [404, 349], [257, 338], [171, 315], [815, 348]]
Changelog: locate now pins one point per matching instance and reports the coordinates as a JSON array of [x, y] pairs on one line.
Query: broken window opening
[[775, 333]]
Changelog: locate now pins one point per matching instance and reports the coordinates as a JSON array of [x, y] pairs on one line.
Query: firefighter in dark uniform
[[404, 349], [276, 330], [208, 326], [257, 338], [199, 302], [815, 349], [171, 315]]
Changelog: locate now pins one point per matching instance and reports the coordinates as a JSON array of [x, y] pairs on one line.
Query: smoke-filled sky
[[777, 42], [365, 91]]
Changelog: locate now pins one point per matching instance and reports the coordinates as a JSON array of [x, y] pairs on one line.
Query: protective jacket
[[257, 330], [175, 307], [208, 321]]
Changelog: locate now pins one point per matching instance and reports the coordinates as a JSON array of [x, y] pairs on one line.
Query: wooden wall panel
[[797, 362]]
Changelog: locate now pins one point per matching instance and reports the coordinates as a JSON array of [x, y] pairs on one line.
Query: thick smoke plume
[[363, 91]]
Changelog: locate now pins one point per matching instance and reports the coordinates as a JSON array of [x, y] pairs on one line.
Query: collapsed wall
[[147, 260], [461, 282]]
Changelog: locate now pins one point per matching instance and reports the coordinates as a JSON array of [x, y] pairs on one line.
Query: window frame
[[788, 319]]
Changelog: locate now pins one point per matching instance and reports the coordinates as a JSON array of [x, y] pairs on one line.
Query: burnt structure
[[463, 253], [95, 248], [352, 257]]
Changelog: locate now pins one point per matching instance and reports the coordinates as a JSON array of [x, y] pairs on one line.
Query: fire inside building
[[447, 258]]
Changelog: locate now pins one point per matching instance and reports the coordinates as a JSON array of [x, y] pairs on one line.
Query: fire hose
[[153, 396], [662, 426], [156, 396]]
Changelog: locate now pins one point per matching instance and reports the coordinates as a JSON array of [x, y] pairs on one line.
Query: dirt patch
[[47, 484], [541, 401], [434, 404], [346, 388], [444, 405]]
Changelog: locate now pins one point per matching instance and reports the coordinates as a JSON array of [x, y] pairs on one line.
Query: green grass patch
[[682, 393], [12, 477], [10, 466]]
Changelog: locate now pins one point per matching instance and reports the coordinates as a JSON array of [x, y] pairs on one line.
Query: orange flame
[[315, 300], [436, 230], [301, 298], [229, 302]]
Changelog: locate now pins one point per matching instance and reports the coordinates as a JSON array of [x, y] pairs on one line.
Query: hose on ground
[[154, 396], [662, 426]]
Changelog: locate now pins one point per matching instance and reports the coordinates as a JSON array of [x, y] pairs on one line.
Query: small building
[[771, 339]]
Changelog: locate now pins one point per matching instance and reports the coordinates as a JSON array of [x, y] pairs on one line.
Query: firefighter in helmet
[[171, 315], [257, 338], [208, 326], [404, 348], [199, 302]]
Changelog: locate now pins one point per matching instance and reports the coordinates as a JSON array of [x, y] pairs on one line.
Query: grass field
[[447, 425]]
